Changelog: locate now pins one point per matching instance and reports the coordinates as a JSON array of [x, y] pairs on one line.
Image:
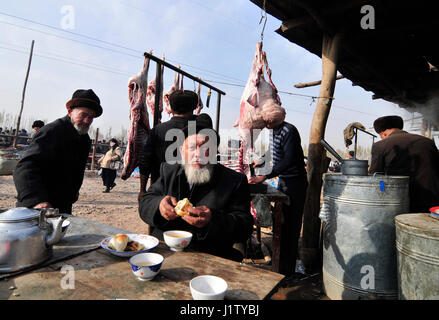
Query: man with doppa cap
[[51, 171], [400, 153], [183, 104], [220, 197]]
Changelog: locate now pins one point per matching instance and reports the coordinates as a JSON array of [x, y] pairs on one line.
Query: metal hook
[[263, 17]]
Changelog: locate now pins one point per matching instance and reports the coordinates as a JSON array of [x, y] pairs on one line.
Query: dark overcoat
[[226, 195], [406, 154], [52, 168]]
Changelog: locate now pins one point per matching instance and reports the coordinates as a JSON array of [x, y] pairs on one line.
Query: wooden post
[[309, 251], [93, 154], [158, 93], [22, 96]]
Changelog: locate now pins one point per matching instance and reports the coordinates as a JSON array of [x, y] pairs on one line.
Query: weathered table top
[[97, 274]]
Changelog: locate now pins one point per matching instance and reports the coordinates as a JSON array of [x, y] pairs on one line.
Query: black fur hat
[[86, 99], [183, 101], [388, 122]]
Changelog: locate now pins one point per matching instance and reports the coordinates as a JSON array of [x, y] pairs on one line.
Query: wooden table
[[278, 198], [97, 274]]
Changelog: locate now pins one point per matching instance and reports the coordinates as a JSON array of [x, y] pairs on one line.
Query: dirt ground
[[119, 209]]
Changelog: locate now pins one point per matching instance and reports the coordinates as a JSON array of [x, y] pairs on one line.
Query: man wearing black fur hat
[[51, 171], [183, 104], [400, 153]]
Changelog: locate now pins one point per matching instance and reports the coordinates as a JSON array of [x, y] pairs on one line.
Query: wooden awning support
[[314, 83], [317, 163]]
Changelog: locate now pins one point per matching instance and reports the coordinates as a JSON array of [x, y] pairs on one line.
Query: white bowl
[[146, 266], [177, 240], [208, 288]]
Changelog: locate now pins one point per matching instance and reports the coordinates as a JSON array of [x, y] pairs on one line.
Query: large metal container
[[359, 255], [417, 244]]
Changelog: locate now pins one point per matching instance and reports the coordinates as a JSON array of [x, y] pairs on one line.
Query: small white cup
[[208, 288], [177, 240], [146, 266]]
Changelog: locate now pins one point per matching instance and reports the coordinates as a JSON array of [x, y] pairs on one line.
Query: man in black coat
[[220, 196], [400, 153], [183, 104], [51, 171]]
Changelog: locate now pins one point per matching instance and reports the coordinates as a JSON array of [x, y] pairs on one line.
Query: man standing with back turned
[[51, 171]]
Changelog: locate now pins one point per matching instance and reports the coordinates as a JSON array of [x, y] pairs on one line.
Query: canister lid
[[419, 223], [19, 214]]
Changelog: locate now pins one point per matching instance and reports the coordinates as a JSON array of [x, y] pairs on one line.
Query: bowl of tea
[[146, 266], [177, 240]]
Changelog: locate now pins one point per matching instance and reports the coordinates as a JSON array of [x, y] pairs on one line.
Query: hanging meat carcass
[[260, 103], [175, 87], [139, 119], [200, 102], [150, 95]]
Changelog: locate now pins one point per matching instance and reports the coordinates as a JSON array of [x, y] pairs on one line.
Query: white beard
[[198, 176], [81, 131]]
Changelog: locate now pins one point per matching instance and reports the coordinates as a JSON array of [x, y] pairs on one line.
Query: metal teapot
[[27, 236]]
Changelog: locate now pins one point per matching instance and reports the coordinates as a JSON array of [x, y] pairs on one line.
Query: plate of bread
[[127, 245]]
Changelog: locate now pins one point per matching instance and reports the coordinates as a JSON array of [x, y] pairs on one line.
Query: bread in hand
[[119, 242], [182, 208]]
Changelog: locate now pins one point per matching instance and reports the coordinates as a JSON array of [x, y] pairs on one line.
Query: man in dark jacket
[[183, 104], [289, 166], [400, 153], [51, 171], [220, 196]]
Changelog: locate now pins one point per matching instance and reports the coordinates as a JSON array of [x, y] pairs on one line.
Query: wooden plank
[[100, 275], [314, 83]]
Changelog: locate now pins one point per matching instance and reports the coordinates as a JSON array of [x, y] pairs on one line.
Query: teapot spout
[[56, 233]]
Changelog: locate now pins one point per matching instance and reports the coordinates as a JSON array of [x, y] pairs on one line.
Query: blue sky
[[211, 39]]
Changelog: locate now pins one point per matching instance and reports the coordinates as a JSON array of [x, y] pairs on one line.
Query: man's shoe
[[106, 190], [112, 186]]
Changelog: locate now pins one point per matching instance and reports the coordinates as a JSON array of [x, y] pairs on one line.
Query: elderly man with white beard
[[220, 197], [51, 171]]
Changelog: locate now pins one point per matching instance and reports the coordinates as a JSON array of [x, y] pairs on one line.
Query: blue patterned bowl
[[146, 266]]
